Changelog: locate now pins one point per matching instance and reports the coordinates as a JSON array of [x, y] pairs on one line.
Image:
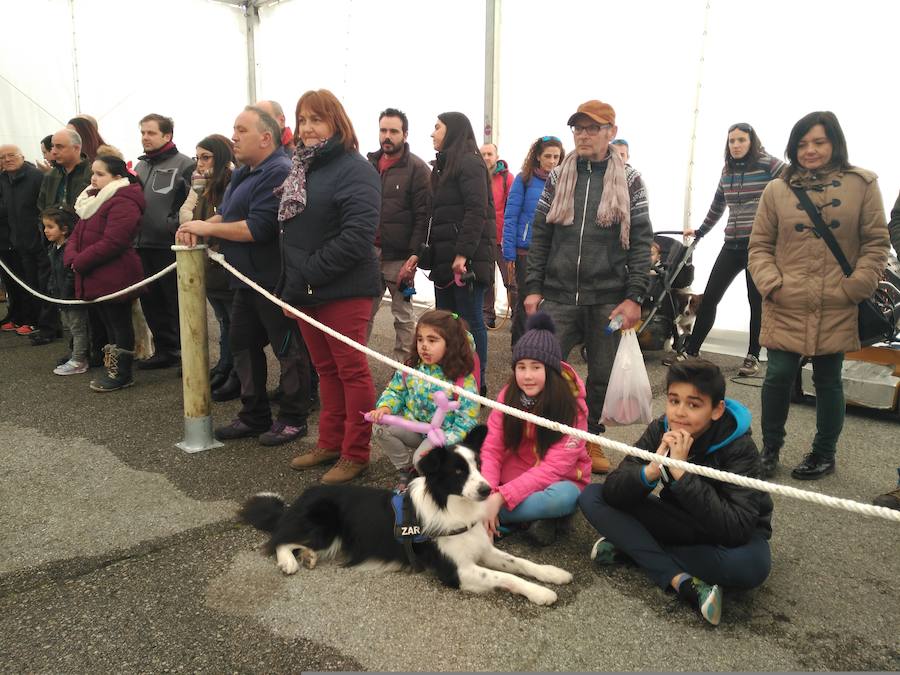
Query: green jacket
[[61, 188]]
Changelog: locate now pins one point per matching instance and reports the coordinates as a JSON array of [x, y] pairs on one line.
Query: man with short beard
[[405, 203], [166, 176]]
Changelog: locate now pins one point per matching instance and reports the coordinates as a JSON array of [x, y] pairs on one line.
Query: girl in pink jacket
[[537, 474]]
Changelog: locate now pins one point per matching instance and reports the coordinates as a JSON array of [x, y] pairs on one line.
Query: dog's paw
[[288, 566], [555, 575], [309, 558], [541, 596]]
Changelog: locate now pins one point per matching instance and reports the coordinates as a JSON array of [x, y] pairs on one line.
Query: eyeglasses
[[590, 130], [740, 126], [544, 139], [204, 158]]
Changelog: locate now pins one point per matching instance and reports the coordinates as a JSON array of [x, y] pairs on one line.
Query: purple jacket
[[100, 249]]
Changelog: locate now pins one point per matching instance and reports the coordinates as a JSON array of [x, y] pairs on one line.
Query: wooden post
[[194, 348]]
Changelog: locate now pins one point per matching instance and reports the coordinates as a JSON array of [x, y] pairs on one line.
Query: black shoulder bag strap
[[822, 229]]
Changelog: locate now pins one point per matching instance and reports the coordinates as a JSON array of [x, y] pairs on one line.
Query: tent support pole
[[689, 184], [491, 70]]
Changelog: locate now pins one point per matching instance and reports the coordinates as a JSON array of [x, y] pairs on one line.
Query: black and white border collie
[[356, 525]]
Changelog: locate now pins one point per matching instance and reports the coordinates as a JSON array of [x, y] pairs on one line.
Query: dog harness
[[408, 531]]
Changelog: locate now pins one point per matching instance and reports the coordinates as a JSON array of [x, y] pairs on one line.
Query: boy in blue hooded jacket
[[698, 534]]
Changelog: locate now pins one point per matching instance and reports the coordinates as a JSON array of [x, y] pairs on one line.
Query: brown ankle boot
[[599, 462], [344, 471], [313, 458]]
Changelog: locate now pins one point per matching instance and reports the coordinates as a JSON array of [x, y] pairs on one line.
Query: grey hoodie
[[167, 180]]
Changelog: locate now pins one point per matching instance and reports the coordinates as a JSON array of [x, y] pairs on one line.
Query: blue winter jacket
[[519, 213]]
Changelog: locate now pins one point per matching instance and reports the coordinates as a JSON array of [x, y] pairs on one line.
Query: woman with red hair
[[330, 208]]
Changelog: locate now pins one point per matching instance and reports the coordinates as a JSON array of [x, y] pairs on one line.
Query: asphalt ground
[[120, 553]]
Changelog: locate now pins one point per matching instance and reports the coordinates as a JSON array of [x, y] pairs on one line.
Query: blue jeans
[[665, 541], [468, 302], [554, 501]]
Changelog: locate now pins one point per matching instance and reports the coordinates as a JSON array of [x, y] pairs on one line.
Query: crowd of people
[[302, 213]]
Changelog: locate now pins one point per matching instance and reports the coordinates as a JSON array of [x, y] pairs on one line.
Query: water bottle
[[614, 324]]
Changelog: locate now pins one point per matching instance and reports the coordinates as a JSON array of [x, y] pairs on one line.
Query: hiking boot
[[604, 552], [158, 360], [813, 467], [118, 370], [234, 430], [25, 329], [599, 462], [343, 472], [702, 597], [9, 327], [71, 367], [890, 500], [749, 367], [314, 457], [768, 460], [281, 433]]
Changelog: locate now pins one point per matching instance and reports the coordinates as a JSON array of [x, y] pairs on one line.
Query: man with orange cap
[[589, 260]]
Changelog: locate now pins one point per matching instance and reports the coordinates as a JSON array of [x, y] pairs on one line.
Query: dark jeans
[[17, 298], [585, 324], [36, 270], [160, 301], [222, 310], [116, 317], [830, 406], [256, 322], [518, 317], [728, 265], [490, 295], [665, 541], [467, 301]]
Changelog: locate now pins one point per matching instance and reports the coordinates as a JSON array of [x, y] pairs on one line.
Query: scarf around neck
[[615, 203], [293, 190], [90, 200]]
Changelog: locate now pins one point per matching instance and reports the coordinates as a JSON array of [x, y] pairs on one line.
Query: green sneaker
[[603, 552], [705, 598]]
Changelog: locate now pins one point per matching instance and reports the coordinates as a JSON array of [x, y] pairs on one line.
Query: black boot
[[159, 360], [218, 375], [769, 460], [813, 467], [228, 391], [118, 364]]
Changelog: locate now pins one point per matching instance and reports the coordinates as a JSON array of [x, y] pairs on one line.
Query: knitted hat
[[600, 112], [539, 342]]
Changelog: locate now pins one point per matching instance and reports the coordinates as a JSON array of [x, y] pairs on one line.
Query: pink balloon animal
[[431, 429]]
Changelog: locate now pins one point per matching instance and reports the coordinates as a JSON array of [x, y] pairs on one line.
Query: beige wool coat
[[809, 306]]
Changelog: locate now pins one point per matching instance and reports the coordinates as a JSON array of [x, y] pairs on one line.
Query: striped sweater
[[740, 192]]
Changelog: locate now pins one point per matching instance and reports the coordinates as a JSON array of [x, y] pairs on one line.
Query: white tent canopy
[[766, 63]]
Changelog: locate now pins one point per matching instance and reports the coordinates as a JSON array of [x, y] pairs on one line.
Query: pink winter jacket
[[517, 474]]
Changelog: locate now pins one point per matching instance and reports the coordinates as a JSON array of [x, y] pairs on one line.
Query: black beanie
[[539, 342]]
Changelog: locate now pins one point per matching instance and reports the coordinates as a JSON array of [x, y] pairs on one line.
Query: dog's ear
[[431, 460], [475, 438]]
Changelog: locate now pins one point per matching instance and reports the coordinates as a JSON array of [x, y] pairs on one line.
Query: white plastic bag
[[143, 338], [628, 395]]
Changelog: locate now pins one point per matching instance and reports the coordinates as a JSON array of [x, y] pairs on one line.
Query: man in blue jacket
[[248, 227]]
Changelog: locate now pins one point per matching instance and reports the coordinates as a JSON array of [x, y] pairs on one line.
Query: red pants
[[346, 390]]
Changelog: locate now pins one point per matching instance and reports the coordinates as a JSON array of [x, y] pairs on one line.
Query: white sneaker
[[71, 367], [749, 367]]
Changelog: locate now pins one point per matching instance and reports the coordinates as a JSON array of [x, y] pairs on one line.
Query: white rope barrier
[[715, 474], [110, 296]]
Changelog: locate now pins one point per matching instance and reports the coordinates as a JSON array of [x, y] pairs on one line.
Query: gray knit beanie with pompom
[[539, 342]]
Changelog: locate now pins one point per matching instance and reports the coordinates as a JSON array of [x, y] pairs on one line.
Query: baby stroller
[[673, 272]]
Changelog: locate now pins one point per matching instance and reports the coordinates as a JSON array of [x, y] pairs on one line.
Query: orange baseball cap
[[600, 112]]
